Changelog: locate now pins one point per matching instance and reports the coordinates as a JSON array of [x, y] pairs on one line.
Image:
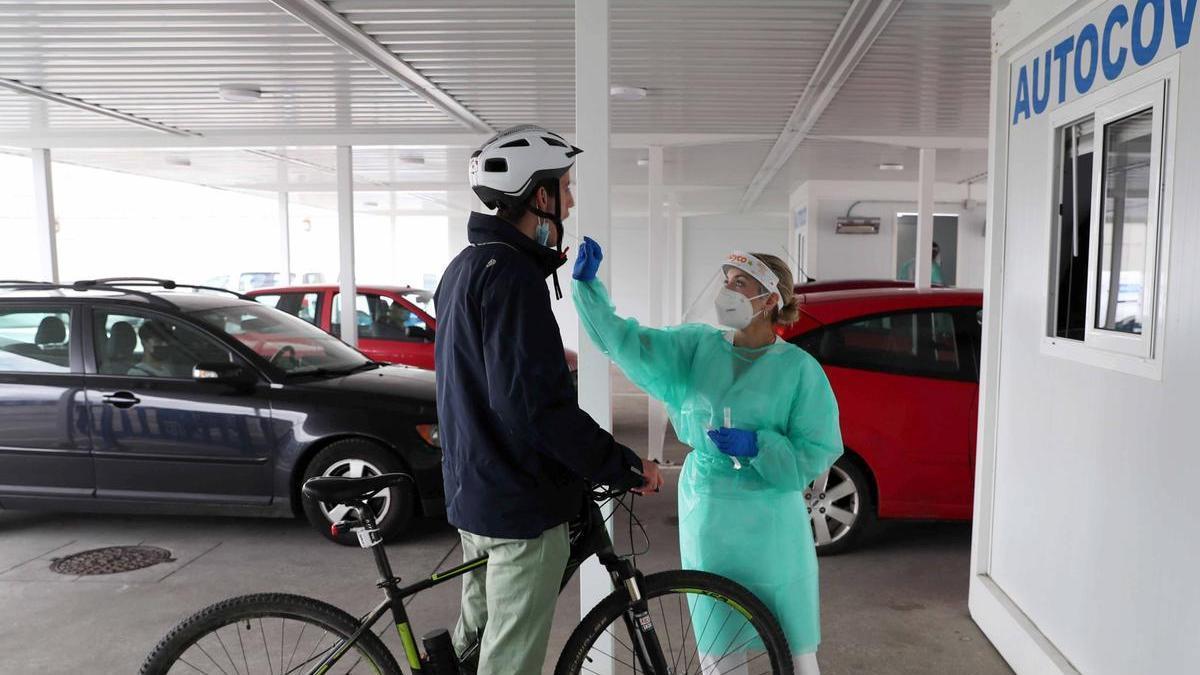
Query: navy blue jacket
[[517, 450]]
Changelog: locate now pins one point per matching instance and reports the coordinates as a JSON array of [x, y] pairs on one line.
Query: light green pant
[[511, 601]]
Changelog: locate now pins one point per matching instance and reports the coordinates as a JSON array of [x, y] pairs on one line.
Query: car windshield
[[289, 343], [422, 299]]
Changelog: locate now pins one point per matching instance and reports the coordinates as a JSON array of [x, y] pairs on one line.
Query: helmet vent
[[495, 165], [519, 143], [554, 141]]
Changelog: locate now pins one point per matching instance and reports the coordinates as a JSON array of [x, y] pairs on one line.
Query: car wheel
[[840, 507], [353, 458]]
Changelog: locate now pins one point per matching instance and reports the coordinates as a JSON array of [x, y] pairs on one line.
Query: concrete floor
[[897, 606]]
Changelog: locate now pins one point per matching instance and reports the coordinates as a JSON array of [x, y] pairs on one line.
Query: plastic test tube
[[729, 425]]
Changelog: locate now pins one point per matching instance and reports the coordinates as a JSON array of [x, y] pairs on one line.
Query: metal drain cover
[[111, 560]]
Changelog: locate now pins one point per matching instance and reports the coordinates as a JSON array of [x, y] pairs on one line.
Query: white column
[[657, 242], [593, 218], [345, 201], [674, 288], [43, 197], [923, 267], [285, 223]]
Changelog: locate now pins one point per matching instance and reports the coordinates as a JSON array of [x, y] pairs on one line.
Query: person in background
[[156, 351], [908, 269], [762, 423]]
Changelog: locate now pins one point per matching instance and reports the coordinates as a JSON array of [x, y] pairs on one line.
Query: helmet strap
[[555, 218]]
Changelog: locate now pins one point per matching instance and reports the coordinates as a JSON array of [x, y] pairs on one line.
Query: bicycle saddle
[[350, 490]]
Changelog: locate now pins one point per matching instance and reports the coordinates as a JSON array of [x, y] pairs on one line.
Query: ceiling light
[[240, 93], [643, 162], [891, 166], [177, 160], [623, 93]]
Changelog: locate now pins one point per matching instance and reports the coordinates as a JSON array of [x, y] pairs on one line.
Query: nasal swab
[[729, 425]]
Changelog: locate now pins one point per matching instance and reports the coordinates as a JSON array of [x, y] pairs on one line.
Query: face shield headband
[[757, 269]]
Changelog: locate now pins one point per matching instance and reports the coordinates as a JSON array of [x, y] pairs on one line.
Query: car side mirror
[[230, 374]]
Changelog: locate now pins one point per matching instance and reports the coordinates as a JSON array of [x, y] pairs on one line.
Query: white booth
[[1086, 542]]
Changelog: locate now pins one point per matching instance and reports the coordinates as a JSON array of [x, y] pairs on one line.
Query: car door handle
[[122, 399]]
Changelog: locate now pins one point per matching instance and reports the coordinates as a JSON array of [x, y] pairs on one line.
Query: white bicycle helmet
[[512, 164]]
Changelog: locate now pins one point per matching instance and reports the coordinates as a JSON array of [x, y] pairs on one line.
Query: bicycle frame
[[589, 537]]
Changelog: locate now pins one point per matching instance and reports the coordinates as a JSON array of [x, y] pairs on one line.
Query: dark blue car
[[148, 397]]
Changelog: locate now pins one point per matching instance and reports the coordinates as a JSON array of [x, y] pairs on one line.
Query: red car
[[904, 365], [396, 324]]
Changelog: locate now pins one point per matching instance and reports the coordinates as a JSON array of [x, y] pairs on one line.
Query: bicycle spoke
[[292, 656], [270, 666], [217, 633], [700, 640], [238, 629], [189, 665], [210, 658]]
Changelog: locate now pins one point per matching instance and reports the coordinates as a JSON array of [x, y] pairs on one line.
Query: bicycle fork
[[648, 650]]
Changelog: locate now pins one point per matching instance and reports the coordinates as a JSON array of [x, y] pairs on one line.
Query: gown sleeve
[[656, 360], [813, 438]]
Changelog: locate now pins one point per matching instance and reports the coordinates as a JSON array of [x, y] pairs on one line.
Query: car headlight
[[430, 434]]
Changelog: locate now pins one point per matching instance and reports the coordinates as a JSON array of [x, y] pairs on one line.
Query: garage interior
[[257, 143]]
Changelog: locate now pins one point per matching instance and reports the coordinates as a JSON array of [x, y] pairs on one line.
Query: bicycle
[[641, 635]]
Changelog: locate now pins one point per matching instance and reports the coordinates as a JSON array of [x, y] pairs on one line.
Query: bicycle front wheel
[[702, 623], [268, 633]]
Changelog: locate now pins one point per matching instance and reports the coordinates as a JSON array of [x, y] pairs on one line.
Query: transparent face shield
[[703, 296]]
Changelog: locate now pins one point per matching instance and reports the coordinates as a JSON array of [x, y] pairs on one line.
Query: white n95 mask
[[734, 309]]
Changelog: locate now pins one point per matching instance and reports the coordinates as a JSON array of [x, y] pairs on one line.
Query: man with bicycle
[[518, 453]]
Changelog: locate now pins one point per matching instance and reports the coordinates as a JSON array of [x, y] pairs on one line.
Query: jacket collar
[[484, 228]]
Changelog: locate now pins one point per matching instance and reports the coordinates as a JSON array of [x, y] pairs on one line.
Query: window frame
[[967, 368], [93, 313], [1140, 355], [1153, 99], [75, 356]]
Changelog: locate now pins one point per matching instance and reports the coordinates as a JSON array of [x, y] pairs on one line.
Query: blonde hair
[[790, 312]]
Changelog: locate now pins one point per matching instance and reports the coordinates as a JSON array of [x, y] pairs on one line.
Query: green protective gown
[[750, 525]]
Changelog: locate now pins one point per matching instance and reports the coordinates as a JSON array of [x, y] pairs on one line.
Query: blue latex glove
[[735, 442], [587, 260]]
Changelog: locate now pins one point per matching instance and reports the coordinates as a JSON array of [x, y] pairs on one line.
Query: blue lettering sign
[[1061, 51], [1181, 21], [1022, 106], [1088, 36], [1041, 91], [1119, 16], [1101, 46], [1144, 52]]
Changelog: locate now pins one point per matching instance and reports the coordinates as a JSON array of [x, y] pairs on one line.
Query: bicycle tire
[[574, 656], [210, 620]]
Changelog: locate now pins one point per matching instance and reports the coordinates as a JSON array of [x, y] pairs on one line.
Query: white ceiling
[[711, 67]]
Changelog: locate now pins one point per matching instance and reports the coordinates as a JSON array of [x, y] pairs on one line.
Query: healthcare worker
[[762, 421]]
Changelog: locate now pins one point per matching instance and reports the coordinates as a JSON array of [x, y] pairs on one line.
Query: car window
[[151, 345], [382, 318], [300, 305], [35, 340], [292, 345], [422, 300], [911, 343]]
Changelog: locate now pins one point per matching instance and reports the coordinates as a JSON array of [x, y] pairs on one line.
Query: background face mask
[[734, 309]]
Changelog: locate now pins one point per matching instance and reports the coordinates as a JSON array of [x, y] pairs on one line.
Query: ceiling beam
[[864, 21], [345, 34], [395, 138], [917, 142], [63, 99]]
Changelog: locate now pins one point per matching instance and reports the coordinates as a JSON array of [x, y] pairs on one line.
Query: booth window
[[1105, 264], [1069, 303]]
